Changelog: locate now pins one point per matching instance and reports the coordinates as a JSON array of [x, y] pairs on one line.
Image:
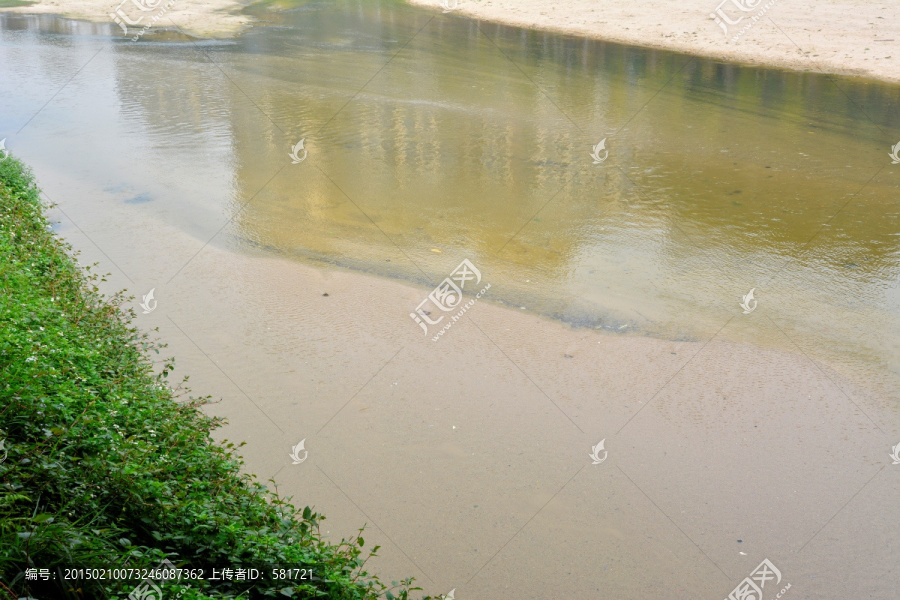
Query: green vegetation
[[108, 467]]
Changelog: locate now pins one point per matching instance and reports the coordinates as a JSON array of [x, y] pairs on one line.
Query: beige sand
[[468, 458], [856, 37], [209, 18]]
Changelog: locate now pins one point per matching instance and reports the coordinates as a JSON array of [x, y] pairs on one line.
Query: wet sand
[[468, 458], [850, 37]]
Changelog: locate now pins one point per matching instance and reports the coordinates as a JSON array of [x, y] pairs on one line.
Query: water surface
[[432, 138]]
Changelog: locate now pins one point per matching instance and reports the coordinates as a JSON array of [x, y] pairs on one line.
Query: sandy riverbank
[[210, 18], [853, 37]]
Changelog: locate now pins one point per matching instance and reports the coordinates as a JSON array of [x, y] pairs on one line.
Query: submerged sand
[[469, 458], [852, 37]]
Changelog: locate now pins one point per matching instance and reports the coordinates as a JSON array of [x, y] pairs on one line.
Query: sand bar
[[210, 18], [850, 37]]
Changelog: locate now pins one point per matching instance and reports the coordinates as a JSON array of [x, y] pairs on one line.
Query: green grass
[[14, 3], [110, 466]]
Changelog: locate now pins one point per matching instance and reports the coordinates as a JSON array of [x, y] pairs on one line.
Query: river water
[[475, 142], [429, 138]]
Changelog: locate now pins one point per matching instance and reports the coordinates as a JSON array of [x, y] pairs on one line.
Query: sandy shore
[[210, 18], [852, 37]]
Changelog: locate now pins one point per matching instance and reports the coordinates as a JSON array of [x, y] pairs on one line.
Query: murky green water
[[432, 138]]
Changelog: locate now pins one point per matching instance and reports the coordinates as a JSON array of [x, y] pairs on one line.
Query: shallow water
[[431, 138]]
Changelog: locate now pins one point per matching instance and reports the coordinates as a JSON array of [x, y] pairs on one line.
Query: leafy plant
[[108, 466]]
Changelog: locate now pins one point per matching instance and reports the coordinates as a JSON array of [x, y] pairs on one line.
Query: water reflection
[[435, 139]]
